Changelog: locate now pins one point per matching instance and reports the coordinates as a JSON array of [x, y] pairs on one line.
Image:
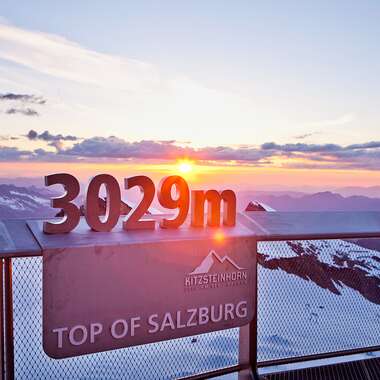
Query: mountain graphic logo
[[214, 263]]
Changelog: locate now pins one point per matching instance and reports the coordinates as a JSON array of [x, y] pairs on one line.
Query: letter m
[[214, 200]]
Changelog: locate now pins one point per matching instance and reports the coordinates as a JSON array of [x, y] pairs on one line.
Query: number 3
[[71, 211]]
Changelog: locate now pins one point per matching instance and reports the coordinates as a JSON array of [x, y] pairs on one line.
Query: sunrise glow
[[185, 166]]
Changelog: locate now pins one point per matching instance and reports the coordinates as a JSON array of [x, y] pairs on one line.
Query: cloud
[[47, 136], [8, 138], [12, 154], [59, 57], [368, 145], [321, 148], [305, 135], [359, 156], [25, 98], [58, 145], [341, 120], [20, 101], [92, 88], [366, 155], [300, 148], [113, 147], [22, 111], [300, 155]]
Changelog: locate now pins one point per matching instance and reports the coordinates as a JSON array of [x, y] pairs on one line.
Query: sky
[[274, 93]]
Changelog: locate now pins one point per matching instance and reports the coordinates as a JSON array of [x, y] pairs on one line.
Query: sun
[[185, 166]]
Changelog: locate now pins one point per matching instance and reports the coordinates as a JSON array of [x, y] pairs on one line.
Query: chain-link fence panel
[[313, 297], [165, 360], [317, 297]]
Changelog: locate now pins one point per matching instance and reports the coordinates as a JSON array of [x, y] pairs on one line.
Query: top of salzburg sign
[[142, 279]]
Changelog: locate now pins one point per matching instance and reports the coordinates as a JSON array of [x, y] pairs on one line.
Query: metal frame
[[247, 336], [2, 368], [217, 372], [326, 355], [8, 320]]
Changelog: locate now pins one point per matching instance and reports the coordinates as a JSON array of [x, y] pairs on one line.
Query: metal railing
[[310, 294], [317, 299]]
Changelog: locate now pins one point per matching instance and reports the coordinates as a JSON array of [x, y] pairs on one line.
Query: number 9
[[166, 200]]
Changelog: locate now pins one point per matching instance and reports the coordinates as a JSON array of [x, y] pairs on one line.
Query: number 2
[[132, 220]]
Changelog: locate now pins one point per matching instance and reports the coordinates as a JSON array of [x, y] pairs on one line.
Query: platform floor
[[356, 370]]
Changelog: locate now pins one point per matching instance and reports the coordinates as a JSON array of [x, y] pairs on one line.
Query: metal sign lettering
[[133, 221]]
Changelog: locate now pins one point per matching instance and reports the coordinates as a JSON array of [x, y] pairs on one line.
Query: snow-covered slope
[[258, 206], [20, 202], [317, 296]]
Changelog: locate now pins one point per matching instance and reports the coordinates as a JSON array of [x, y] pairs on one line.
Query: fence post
[[2, 373], [8, 320], [253, 324], [248, 335]]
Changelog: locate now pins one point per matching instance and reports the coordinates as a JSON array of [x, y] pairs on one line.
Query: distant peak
[[326, 194]]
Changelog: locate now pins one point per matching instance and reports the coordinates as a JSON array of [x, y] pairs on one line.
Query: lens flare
[[219, 236]]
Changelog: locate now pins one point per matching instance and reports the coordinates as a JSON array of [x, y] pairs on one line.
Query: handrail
[[22, 243]]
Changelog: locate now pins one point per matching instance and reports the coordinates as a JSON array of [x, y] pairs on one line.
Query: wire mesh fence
[[317, 297], [313, 297], [165, 360]]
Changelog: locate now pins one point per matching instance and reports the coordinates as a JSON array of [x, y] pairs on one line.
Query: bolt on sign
[[109, 290]]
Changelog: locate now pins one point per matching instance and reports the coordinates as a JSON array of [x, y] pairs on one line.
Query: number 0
[[112, 203]]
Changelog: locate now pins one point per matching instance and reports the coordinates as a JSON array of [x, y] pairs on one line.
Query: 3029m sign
[[173, 193]]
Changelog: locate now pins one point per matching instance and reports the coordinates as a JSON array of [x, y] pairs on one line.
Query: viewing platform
[[315, 300]]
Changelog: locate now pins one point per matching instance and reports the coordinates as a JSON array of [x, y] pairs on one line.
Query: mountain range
[[32, 201], [322, 201], [24, 202]]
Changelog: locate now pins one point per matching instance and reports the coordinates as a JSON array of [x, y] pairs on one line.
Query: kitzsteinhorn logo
[[214, 272]]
